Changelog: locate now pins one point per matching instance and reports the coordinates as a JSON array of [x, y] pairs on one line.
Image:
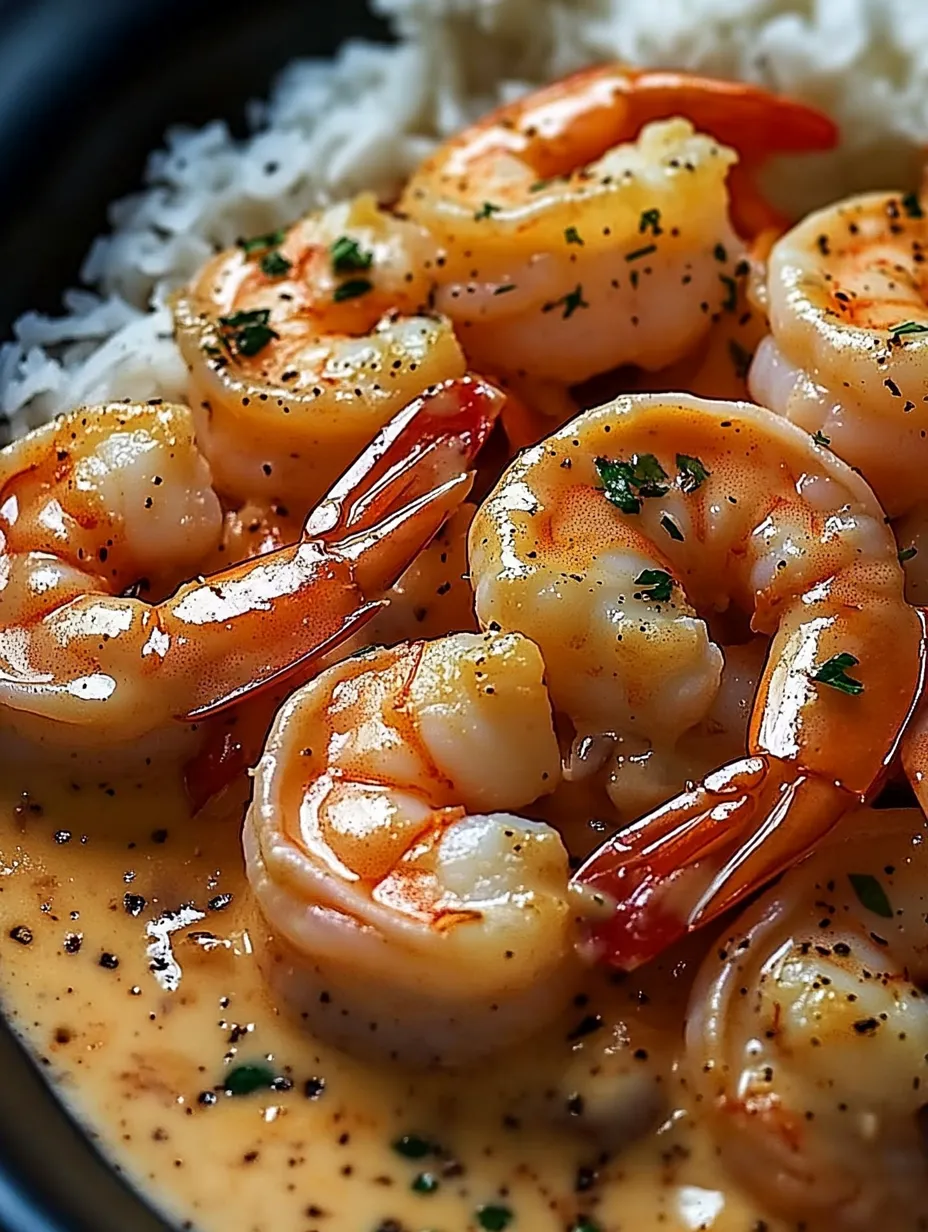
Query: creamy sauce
[[127, 966]]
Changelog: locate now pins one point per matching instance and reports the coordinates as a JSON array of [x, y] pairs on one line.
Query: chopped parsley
[[246, 1079], [539, 185], [657, 584], [906, 554], [719, 252], [740, 357], [352, 289], [248, 332], [487, 210], [820, 438], [692, 472], [261, 243], [627, 483], [834, 674], [425, 1183], [505, 288], [908, 327], [494, 1218], [274, 264], [585, 1224], [650, 219], [411, 1146], [730, 302], [871, 894], [348, 257], [911, 205], [641, 252], [569, 302], [670, 526], [572, 236]]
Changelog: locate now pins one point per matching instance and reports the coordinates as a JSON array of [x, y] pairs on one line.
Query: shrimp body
[[847, 356], [807, 1033], [409, 911], [613, 542], [109, 504], [579, 235], [621, 262], [302, 345]]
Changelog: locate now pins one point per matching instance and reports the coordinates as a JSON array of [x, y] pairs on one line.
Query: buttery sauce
[[127, 965]]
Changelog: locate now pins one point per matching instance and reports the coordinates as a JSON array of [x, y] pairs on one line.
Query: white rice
[[366, 118]]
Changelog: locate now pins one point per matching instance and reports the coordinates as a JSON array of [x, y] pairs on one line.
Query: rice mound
[[365, 119]]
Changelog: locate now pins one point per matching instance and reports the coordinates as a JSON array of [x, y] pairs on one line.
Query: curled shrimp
[[612, 543], [847, 354], [578, 235], [807, 1033], [302, 344], [107, 503], [409, 912]]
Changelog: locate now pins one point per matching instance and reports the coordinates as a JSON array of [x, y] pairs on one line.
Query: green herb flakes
[[740, 357], [719, 252], [494, 1218], [248, 332], [657, 584], [627, 483], [585, 1224], [911, 205], [261, 243], [692, 473], [487, 210], [425, 1183], [871, 894], [569, 302], [650, 220], [821, 439], [505, 288], [411, 1146], [834, 674], [246, 1079], [730, 302], [641, 252], [348, 257], [908, 327], [352, 289], [572, 236], [274, 264], [670, 526], [906, 554]]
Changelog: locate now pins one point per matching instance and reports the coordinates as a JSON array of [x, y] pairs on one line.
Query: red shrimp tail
[[432, 440], [681, 866]]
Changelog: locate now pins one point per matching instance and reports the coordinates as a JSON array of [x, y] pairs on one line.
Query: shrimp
[[807, 1033], [612, 543], [302, 344], [578, 235], [847, 354], [104, 503], [408, 911]]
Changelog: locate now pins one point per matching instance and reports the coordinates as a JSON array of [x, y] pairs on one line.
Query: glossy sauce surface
[[127, 965]]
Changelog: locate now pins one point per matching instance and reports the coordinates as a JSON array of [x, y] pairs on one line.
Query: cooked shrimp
[[579, 236], [302, 344], [611, 544], [847, 355], [807, 1033], [105, 501], [410, 912]]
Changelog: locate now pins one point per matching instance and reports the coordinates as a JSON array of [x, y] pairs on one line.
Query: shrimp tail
[[681, 866], [355, 544], [755, 122]]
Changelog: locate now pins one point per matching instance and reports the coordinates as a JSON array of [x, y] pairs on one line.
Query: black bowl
[[87, 88]]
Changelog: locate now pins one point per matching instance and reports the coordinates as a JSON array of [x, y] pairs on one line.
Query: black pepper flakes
[[108, 961]]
